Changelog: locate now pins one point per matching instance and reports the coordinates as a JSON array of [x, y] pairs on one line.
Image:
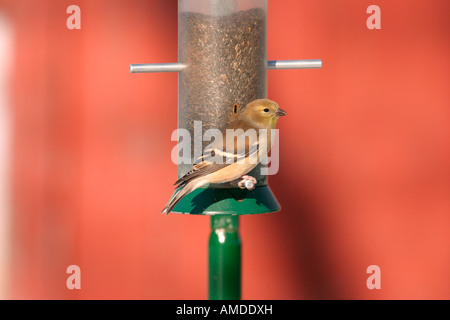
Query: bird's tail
[[178, 196]]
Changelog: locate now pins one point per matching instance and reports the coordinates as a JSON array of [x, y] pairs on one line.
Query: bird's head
[[263, 112]]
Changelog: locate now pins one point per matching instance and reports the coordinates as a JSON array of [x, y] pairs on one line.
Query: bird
[[245, 153]]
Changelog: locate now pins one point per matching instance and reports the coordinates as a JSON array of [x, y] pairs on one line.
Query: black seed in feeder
[[226, 64]]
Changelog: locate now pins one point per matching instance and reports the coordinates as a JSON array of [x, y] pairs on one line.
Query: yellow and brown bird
[[245, 154]]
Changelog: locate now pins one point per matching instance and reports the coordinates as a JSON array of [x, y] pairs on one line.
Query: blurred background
[[85, 150]]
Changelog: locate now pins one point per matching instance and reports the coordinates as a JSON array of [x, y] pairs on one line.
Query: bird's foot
[[247, 182]]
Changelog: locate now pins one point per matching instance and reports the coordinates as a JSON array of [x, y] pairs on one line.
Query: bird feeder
[[222, 63]]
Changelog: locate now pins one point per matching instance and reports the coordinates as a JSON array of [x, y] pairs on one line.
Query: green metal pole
[[224, 258]]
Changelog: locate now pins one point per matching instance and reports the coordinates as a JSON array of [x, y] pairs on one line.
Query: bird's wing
[[221, 155]]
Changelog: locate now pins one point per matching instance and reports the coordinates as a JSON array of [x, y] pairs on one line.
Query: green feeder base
[[228, 201]]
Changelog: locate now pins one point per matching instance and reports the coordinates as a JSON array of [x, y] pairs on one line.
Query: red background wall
[[364, 175]]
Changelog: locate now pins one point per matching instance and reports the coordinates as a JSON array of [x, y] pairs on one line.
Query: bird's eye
[[266, 110]]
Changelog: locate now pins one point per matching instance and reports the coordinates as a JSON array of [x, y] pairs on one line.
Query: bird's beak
[[280, 113]]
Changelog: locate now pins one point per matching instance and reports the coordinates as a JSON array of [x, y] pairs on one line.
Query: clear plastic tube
[[223, 45]]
